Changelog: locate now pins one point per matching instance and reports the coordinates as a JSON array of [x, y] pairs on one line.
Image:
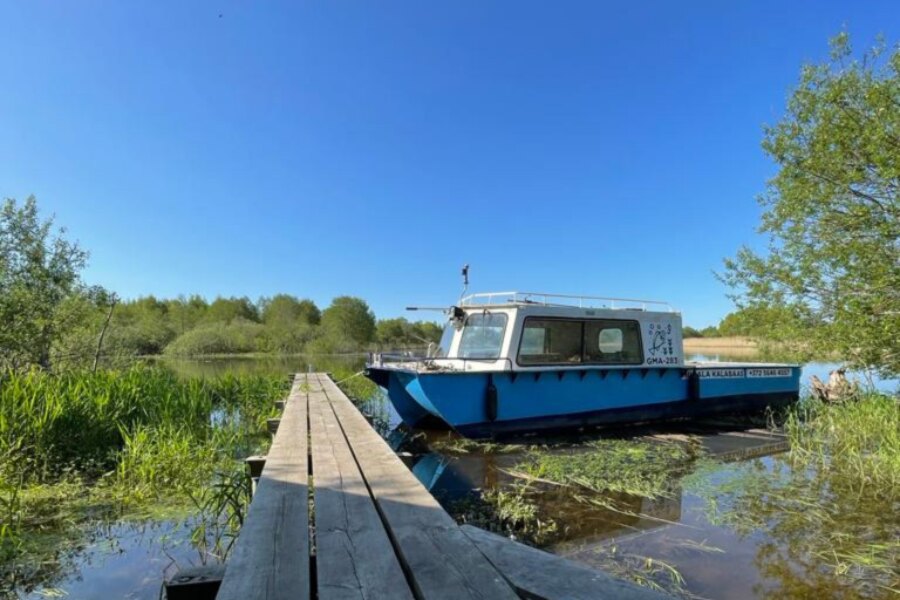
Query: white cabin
[[522, 331]]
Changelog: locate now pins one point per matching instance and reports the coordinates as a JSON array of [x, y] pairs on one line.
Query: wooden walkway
[[337, 515]]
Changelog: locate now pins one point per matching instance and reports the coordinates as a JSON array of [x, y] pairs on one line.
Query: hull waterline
[[482, 405]]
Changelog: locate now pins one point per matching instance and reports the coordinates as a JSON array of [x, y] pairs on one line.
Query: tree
[[39, 269], [284, 308], [393, 333], [427, 331], [760, 322], [349, 320], [689, 332], [186, 313], [143, 325], [225, 310], [832, 213]]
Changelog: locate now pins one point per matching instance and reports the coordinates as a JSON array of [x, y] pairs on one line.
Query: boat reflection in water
[[455, 477]]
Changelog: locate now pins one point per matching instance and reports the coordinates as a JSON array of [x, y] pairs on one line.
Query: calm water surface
[[128, 560]]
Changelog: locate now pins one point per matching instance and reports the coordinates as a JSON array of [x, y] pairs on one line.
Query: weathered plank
[[439, 560], [539, 575], [271, 555], [354, 556]]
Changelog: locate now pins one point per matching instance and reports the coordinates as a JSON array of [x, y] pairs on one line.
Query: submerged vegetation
[[828, 507], [79, 447], [823, 516], [612, 465]]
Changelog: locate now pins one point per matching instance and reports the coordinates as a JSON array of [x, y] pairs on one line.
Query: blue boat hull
[[481, 404]]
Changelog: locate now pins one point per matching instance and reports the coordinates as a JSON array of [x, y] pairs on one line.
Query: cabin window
[[550, 341], [482, 336], [443, 349], [612, 342]]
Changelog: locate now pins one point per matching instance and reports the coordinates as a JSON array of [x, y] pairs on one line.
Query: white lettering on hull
[[721, 373], [769, 372]]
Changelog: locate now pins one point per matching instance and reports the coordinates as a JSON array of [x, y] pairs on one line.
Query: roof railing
[[545, 299]]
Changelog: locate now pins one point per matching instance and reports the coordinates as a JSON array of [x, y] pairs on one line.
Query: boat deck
[[336, 514]]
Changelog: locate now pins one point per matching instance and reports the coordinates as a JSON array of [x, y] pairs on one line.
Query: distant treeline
[[192, 326], [751, 321], [50, 318]]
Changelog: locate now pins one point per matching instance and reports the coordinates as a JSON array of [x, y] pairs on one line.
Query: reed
[[76, 446], [857, 443], [80, 421], [829, 505]]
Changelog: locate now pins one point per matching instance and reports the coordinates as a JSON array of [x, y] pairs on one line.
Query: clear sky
[[372, 148]]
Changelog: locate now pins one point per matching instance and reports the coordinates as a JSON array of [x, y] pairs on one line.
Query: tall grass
[[51, 424], [74, 442], [829, 506], [857, 443]]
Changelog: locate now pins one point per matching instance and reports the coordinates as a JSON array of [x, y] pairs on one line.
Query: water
[[130, 560], [123, 560]]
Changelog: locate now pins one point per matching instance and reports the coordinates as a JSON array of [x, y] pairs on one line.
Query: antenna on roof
[[465, 276]]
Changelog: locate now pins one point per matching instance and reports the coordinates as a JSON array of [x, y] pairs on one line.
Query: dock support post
[[195, 583], [255, 466]]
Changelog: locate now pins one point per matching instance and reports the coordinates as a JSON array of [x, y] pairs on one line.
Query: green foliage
[[222, 507], [348, 325], [832, 213], [760, 321], [690, 332], [38, 270], [282, 309], [638, 468], [226, 310], [50, 423], [186, 313], [50, 319], [827, 507], [164, 456], [710, 331], [510, 512], [349, 318], [237, 337], [400, 333], [74, 445], [857, 442]]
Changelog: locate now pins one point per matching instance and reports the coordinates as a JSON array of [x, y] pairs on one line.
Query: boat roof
[[518, 299]]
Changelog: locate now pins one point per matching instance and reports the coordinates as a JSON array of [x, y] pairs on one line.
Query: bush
[[238, 337]]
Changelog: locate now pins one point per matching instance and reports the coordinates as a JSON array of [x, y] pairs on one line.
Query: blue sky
[[328, 148]]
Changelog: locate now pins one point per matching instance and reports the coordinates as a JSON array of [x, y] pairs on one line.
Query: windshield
[[483, 336], [443, 350]]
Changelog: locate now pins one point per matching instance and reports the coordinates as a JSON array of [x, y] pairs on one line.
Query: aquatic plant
[[78, 447], [353, 383], [513, 511], [857, 442], [50, 423], [640, 468], [221, 507], [828, 508]]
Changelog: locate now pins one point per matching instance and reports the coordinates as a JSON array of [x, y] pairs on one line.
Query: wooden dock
[[336, 514]]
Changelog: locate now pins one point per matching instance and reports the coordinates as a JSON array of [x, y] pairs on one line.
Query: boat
[[513, 363]]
